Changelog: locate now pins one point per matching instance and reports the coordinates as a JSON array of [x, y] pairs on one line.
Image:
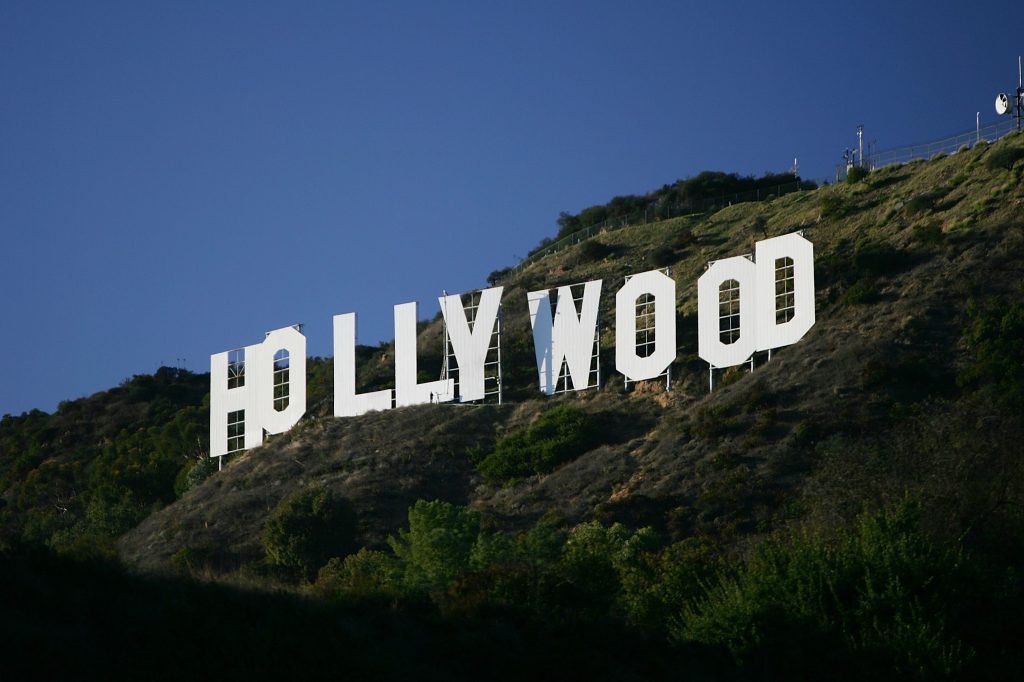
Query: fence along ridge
[[950, 144], [886, 157]]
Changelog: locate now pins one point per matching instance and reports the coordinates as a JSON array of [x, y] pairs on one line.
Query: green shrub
[[1004, 158], [362, 575], [877, 596], [498, 275], [306, 529], [685, 238], [995, 338], [591, 250], [806, 432], [112, 510], [436, 548], [655, 582], [558, 436], [710, 422], [834, 207], [878, 258], [922, 203], [661, 257], [856, 174], [595, 557], [860, 293], [82, 544], [759, 227], [193, 474]]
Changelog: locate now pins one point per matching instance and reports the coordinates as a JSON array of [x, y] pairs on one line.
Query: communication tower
[[1004, 105]]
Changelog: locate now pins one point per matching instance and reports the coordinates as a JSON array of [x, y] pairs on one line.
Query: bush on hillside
[[498, 275], [860, 293], [192, 475], [558, 436], [922, 203], [1004, 158], [365, 574], [306, 529], [878, 258], [684, 239], [834, 207], [591, 251], [856, 174], [995, 337], [437, 547], [661, 257], [880, 595]]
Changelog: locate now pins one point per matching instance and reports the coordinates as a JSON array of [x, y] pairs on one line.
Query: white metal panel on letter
[[710, 347], [663, 289], [771, 334], [347, 403], [569, 337], [471, 347], [407, 390]]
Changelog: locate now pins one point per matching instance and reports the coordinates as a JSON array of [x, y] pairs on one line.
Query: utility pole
[[1020, 92], [860, 145]]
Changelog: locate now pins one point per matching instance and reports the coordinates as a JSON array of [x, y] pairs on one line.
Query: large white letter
[[785, 288], [726, 317], [663, 289], [407, 391], [242, 391], [471, 346], [346, 402], [281, 377], [568, 338], [234, 397]]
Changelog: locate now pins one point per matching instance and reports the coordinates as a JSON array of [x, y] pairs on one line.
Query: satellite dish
[[1002, 104]]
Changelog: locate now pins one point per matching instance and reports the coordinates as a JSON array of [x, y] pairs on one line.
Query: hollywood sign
[[743, 306]]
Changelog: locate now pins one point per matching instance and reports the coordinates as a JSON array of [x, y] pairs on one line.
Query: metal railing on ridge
[[927, 150]]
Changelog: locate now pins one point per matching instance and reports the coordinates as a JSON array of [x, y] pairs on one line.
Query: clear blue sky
[[178, 178]]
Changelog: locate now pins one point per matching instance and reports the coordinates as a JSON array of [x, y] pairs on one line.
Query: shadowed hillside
[[860, 494]]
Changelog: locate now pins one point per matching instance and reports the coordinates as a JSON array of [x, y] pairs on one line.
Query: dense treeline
[[706, 189], [76, 479], [878, 595], [454, 599]]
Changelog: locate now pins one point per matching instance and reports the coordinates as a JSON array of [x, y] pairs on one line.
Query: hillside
[[898, 257], [905, 395]]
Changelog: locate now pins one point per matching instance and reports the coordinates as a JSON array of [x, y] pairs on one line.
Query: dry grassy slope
[[728, 463]]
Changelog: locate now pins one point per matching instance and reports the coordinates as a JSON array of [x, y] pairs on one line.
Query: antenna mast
[[1003, 105]]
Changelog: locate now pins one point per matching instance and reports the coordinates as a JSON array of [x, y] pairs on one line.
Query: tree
[[307, 528], [437, 547]]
